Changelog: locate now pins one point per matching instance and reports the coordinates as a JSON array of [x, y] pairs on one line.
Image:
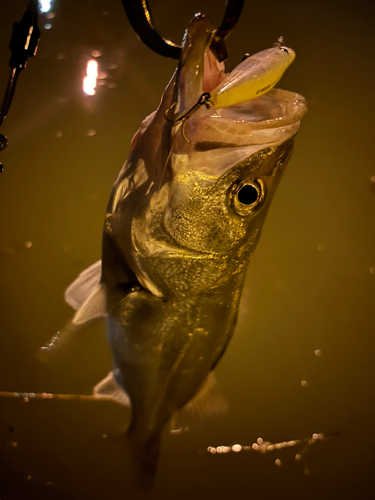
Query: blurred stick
[[26, 396]]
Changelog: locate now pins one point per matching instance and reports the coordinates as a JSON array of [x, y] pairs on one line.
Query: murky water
[[301, 360]]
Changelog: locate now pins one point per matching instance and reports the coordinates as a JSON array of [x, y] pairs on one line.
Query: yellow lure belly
[[253, 77]]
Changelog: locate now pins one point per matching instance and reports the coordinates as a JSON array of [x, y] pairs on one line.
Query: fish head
[[210, 173]]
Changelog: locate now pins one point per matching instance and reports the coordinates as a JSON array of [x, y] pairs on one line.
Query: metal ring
[[139, 16]]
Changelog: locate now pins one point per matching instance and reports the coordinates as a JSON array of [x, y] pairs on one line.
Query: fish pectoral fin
[[93, 307], [83, 286], [108, 387], [206, 404]]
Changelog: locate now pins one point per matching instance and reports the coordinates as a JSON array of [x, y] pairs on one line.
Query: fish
[[182, 223]]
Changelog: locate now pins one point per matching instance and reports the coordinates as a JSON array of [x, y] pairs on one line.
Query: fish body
[[182, 223]]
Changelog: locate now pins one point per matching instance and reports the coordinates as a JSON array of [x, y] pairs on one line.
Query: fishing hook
[[139, 16], [205, 99]]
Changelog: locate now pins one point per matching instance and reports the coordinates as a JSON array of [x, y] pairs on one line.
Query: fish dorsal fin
[[207, 403], [109, 387], [93, 307], [83, 286]]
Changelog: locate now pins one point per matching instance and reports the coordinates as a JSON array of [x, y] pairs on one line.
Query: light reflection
[[45, 6], [318, 352], [47, 26], [266, 446], [89, 82]]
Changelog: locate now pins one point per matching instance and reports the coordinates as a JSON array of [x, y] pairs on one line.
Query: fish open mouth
[[267, 120], [243, 108]]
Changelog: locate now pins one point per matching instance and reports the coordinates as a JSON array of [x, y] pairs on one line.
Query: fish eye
[[246, 196], [284, 49]]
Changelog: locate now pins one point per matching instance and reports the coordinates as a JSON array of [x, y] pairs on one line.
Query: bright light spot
[[96, 53], [45, 5], [259, 441], [255, 446], [317, 436], [47, 26], [297, 456], [91, 132], [304, 383], [172, 431], [236, 448], [89, 82], [318, 352], [92, 69], [278, 462], [28, 244]]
